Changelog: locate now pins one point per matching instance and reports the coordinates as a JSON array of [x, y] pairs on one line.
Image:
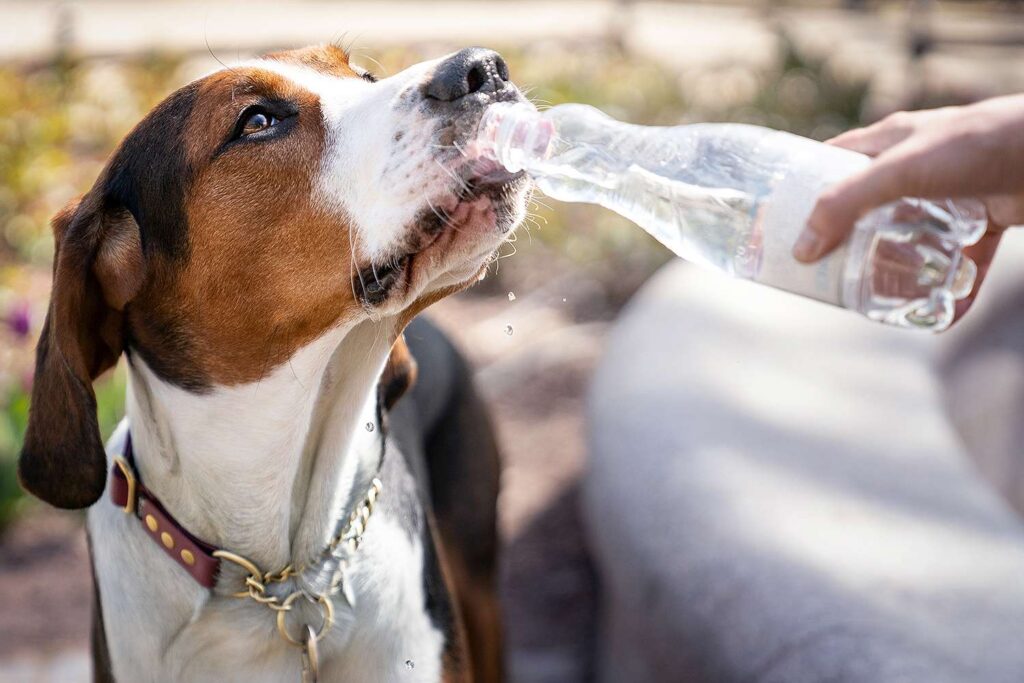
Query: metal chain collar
[[349, 538]]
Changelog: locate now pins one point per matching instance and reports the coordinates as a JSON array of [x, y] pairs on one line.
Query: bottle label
[[781, 218], [821, 280]]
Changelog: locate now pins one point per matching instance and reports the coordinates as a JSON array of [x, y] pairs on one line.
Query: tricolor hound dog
[[256, 247]]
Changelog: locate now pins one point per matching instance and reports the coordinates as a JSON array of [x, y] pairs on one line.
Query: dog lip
[[375, 283], [426, 245], [493, 179]]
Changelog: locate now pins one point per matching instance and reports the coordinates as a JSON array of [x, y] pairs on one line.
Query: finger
[[1006, 209], [982, 253], [874, 139], [840, 206]]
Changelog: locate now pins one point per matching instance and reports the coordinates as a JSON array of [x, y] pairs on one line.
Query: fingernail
[[808, 246]]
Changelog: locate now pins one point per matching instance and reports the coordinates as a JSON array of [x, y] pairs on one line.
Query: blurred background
[[76, 75]]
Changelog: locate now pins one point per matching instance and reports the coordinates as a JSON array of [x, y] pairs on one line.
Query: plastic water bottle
[[735, 197]]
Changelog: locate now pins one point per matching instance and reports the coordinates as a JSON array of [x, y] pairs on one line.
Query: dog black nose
[[471, 70]]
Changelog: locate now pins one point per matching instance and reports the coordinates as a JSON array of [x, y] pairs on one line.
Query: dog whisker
[[514, 250], [445, 218], [540, 203], [383, 71], [357, 273], [463, 185]]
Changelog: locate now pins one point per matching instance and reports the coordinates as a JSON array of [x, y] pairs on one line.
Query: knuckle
[[899, 120]]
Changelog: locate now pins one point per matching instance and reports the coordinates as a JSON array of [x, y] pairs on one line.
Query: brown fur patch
[[456, 666], [477, 598], [268, 271], [399, 374], [328, 59]]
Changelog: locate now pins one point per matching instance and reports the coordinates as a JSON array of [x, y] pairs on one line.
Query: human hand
[[971, 151]]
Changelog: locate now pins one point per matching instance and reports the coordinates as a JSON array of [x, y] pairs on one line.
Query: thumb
[[840, 206]]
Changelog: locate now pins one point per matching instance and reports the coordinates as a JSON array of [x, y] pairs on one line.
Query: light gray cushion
[[776, 494], [982, 371]]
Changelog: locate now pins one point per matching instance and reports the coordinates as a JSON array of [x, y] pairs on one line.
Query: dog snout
[[468, 71]]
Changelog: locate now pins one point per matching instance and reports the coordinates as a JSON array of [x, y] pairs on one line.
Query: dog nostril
[[477, 77], [500, 67]]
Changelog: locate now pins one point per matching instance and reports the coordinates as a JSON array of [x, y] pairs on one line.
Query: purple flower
[[19, 319]]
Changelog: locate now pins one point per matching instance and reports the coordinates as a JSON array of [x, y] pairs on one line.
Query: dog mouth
[[482, 206], [482, 209]]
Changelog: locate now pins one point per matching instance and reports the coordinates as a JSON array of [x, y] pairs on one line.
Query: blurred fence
[[919, 51]]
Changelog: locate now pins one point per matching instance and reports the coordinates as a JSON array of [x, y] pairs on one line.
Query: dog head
[[250, 212]]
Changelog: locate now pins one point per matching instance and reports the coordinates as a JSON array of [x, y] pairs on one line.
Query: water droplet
[[511, 296], [508, 330], [369, 426], [409, 664], [563, 299]]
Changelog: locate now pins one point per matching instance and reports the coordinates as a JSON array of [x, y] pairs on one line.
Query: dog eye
[[261, 122], [258, 120]]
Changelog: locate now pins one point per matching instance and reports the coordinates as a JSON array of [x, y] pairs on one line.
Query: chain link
[[310, 657], [256, 581]]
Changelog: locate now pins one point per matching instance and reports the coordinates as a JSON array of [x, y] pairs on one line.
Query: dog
[[268, 509]]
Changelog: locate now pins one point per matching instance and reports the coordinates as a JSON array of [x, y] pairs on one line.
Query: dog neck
[[266, 469]]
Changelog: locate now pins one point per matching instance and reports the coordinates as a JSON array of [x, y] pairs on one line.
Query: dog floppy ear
[[98, 268], [399, 374]]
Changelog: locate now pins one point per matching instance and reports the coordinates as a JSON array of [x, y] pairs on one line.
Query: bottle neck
[[514, 134]]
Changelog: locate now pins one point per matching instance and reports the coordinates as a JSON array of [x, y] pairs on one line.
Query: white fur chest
[[162, 626]]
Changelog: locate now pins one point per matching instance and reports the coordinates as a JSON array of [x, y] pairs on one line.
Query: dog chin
[[474, 229], [448, 244]]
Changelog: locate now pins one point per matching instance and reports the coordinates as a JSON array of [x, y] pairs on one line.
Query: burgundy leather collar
[[128, 492]]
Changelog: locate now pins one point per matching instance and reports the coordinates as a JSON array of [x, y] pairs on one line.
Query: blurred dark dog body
[[256, 248]]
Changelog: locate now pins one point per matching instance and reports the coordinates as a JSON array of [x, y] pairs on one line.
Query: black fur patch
[[438, 601], [170, 360], [102, 670], [149, 175]]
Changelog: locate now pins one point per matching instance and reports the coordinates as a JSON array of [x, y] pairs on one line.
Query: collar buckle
[[129, 476]]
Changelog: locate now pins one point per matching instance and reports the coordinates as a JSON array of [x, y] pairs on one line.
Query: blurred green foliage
[[802, 95], [59, 122], [13, 418], [14, 406]]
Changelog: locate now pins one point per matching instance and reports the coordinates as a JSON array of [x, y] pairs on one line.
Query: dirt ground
[[534, 381]]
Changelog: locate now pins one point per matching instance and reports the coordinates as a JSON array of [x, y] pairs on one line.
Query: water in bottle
[[735, 197]]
